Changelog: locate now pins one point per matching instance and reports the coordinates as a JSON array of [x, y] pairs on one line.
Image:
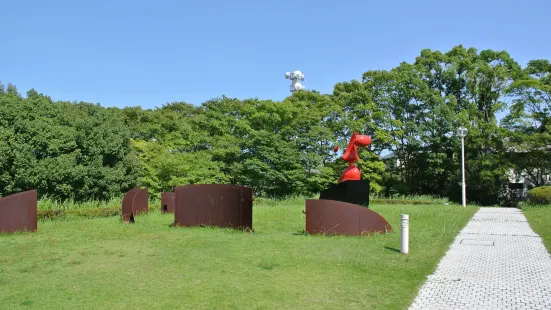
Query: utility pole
[[462, 132]]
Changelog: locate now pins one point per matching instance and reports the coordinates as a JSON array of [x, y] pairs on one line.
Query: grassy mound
[[102, 263]]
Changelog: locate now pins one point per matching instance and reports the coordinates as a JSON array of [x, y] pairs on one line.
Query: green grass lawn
[[105, 264], [540, 221]]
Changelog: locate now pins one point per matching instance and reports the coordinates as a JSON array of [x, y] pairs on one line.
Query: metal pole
[[464, 194], [404, 234]]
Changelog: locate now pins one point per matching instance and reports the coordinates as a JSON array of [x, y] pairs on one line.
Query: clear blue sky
[[129, 53]]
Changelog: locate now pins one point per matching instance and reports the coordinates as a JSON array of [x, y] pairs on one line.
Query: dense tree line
[[84, 151]]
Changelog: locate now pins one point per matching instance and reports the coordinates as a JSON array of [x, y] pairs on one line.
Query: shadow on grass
[[393, 249], [213, 227]]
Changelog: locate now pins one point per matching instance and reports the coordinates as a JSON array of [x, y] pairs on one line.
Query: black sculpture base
[[352, 191]]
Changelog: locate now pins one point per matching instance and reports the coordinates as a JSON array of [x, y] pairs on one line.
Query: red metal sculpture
[[343, 207], [351, 156]]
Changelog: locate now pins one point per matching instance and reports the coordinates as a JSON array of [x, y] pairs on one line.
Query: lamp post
[[295, 77], [462, 132]]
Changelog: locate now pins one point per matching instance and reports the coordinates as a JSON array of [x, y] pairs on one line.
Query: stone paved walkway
[[496, 262]]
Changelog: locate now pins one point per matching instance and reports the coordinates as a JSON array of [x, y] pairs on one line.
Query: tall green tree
[[529, 123], [474, 84], [62, 149]]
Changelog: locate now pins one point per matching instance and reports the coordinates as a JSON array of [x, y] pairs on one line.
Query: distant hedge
[[540, 195], [89, 213], [374, 201], [116, 210], [403, 202]]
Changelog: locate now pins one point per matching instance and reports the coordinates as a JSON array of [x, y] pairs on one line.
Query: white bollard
[[404, 248]]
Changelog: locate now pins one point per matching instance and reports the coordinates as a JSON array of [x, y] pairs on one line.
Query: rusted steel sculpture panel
[[134, 202], [221, 205], [246, 207], [342, 218], [18, 212], [168, 199]]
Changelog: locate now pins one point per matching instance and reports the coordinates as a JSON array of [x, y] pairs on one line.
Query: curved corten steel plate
[[134, 202], [342, 218], [18, 212], [168, 200], [221, 205]]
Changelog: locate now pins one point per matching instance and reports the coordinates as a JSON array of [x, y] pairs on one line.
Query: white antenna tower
[[295, 77]]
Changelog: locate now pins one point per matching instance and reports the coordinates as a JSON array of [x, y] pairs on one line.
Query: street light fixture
[[462, 132], [295, 77]]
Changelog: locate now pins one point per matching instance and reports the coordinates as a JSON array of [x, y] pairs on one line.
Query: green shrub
[[89, 213], [98, 212], [53, 209], [391, 201], [374, 199], [540, 195], [51, 214], [257, 201], [49, 203]]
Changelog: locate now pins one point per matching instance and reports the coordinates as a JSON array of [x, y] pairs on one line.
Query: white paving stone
[[496, 262]]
